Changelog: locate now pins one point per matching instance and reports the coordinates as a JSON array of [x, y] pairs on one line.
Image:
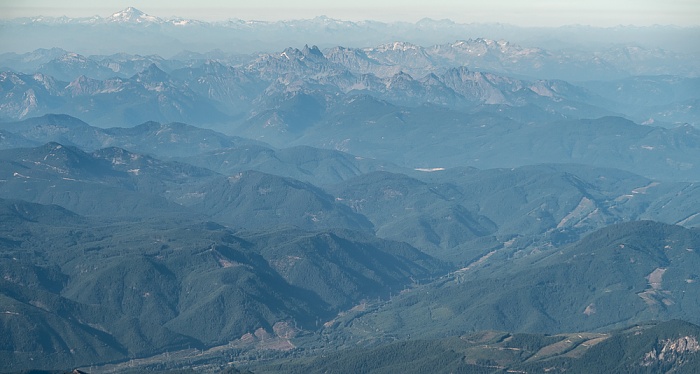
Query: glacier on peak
[[132, 15], [397, 46]]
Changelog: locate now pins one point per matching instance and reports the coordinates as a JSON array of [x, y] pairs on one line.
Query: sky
[[603, 13]]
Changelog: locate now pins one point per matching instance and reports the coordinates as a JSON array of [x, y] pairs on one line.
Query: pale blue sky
[[518, 12]]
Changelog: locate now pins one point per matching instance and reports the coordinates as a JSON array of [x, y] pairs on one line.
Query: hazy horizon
[[543, 13]]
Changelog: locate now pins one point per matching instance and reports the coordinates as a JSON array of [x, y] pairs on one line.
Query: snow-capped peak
[[397, 46], [132, 15]]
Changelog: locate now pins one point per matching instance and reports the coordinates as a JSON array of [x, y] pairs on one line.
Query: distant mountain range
[[480, 54], [136, 32], [280, 97]]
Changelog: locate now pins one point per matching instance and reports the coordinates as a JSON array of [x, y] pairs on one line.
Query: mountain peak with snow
[[132, 15], [397, 46]]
